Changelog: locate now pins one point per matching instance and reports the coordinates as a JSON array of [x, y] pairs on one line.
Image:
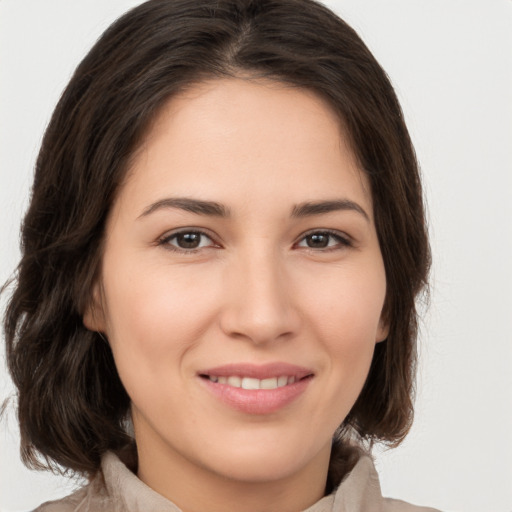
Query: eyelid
[[169, 235], [343, 239]]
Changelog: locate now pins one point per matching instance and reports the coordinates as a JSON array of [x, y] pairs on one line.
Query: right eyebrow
[[197, 206], [321, 207]]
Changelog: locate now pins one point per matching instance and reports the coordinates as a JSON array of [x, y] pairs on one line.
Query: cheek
[[348, 305], [345, 316], [150, 319]]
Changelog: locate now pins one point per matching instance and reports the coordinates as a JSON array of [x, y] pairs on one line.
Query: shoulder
[[360, 491], [90, 498], [392, 505], [115, 488], [68, 504]]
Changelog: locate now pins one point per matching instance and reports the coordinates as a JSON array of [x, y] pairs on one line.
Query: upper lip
[[258, 371]]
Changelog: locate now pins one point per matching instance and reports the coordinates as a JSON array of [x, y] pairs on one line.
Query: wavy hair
[[72, 406]]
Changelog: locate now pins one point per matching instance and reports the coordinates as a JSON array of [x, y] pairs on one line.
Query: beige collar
[[359, 491]]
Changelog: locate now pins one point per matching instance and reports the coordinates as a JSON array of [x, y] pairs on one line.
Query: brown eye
[[318, 240], [324, 240], [187, 241]]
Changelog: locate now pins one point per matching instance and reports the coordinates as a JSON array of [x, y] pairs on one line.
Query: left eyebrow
[[321, 207]]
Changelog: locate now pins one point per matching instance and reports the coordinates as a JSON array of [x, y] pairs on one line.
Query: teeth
[[248, 383], [251, 383], [236, 382], [268, 383], [282, 381]]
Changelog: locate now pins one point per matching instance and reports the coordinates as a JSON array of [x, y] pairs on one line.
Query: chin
[[260, 462], [262, 468]]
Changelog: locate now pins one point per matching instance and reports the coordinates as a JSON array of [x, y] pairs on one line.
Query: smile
[[253, 383], [257, 389]]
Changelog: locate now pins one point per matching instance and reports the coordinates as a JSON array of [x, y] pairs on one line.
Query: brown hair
[[71, 403]]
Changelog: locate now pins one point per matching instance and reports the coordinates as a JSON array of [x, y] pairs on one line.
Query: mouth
[[251, 382], [257, 389]]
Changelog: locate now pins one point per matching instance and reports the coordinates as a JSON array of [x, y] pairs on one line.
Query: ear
[[382, 330], [94, 316]]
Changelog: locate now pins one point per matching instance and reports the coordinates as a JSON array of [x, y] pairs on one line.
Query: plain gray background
[[451, 64]]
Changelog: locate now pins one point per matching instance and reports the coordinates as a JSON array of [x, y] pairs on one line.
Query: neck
[[195, 488]]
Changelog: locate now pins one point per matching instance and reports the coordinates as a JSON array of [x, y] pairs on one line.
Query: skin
[[258, 289]]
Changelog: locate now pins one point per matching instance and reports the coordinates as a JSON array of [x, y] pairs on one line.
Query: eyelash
[[165, 241], [342, 241]]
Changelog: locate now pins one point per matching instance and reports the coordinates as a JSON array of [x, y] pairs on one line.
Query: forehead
[[230, 136]]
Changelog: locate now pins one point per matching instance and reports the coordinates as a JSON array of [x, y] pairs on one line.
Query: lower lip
[[258, 401]]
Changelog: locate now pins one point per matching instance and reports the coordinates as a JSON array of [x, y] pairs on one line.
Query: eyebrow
[[321, 207], [214, 209], [199, 207]]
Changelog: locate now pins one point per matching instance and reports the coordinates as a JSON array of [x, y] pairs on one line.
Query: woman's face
[[241, 253]]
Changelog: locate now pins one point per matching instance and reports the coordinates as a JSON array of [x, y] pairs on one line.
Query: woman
[[215, 304]]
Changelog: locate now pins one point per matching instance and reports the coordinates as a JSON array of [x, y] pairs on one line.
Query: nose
[[259, 305]]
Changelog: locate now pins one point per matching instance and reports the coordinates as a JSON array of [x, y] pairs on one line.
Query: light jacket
[[116, 489]]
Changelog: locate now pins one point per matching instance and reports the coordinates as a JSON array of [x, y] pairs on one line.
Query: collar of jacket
[[358, 492]]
